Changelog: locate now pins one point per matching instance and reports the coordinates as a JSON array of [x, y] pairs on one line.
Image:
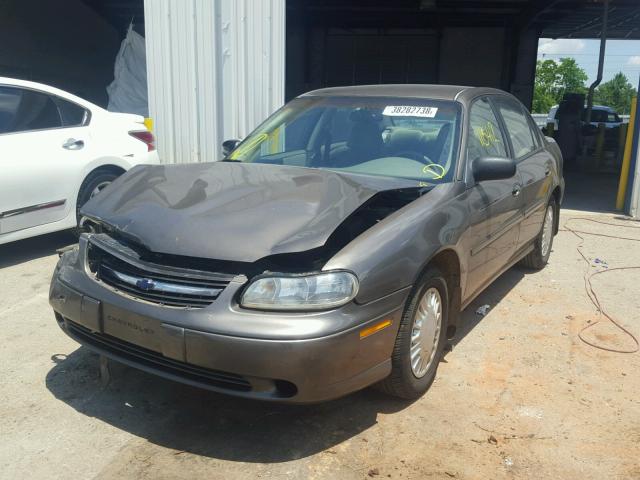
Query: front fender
[[392, 254]]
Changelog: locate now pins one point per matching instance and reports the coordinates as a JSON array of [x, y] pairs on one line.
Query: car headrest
[[365, 136], [406, 139]]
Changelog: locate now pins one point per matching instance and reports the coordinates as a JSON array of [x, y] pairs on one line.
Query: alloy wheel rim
[[425, 332], [101, 186], [547, 231]]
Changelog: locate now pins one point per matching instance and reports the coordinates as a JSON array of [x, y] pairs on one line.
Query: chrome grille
[[121, 268]]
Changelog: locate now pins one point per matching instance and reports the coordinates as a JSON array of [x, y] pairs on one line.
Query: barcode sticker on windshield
[[409, 111]]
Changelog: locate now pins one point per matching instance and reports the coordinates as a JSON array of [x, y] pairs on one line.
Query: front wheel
[[420, 340], [538, 258]]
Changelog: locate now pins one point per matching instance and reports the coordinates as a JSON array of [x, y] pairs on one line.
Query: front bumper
[[289, 357]]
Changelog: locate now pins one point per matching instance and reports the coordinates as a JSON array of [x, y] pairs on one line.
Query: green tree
[[616, 93], [544, 86], [553, 80], [572, 78]]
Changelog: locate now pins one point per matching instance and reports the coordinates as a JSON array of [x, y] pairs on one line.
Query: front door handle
[[73, 144], [516, 190]]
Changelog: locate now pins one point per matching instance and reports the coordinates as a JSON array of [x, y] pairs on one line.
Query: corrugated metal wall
[[215, 70]]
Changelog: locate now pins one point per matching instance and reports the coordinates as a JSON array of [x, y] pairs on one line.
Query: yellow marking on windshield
[[274, 141], [243, 150], [432, 169]]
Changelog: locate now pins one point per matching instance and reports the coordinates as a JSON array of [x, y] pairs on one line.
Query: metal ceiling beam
[[533, 11]]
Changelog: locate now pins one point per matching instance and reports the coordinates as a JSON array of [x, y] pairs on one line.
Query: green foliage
[[572, 77], [616, 93], [543, 88], [553, 80]]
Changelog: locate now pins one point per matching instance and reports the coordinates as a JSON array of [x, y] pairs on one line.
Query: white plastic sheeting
[[215, 71], [128, 91]]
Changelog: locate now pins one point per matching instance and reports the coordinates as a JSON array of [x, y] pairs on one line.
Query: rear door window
[[597, 116], [33, 111], [72, 114], [601, 116], [523, 138], [9, 101]]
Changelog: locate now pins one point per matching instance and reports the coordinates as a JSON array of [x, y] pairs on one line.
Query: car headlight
[[318, 291]]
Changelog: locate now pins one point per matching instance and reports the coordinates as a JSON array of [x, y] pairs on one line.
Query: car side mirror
[[493, 168], [229, 146]]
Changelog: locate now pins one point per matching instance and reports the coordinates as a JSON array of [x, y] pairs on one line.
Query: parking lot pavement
[[519, 396]]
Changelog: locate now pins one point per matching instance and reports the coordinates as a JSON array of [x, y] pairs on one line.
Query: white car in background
[[56, 152]]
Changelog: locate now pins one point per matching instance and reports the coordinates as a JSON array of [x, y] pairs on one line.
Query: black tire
[[537, 259], [402, 382], [93, 180]]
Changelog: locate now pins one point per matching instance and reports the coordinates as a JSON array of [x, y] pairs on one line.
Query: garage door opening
[[592, 138]]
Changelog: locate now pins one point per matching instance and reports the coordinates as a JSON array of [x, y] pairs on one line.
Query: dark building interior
[[469, 42]]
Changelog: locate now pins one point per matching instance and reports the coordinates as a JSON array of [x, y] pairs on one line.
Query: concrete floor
[[519, 396], [590, 192]]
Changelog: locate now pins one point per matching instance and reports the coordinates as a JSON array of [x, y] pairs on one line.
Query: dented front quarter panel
[[390, 255]]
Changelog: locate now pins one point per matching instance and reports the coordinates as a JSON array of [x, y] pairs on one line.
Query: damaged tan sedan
[[330, 250]]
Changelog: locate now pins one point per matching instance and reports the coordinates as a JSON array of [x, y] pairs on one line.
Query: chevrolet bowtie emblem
[[145, 284]]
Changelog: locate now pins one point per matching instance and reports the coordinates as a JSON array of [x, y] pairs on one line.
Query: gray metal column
[[525, 66], [603, 44], [632, 200]]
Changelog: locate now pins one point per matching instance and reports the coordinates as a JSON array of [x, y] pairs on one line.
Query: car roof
[[602, 107], [436, 92], [14, 82], [593, 107]]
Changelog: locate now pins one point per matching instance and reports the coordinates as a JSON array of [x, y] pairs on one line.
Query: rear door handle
[[516, 190], [73, 144]]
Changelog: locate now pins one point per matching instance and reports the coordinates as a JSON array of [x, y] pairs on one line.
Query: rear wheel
[[538, 258], [420, 340]]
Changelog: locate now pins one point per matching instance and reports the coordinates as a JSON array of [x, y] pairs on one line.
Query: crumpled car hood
[[233, 211]]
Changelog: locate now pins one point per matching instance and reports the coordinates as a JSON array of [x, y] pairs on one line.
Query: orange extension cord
[[591, 293]]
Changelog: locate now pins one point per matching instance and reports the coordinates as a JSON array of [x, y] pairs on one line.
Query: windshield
[[395, 137]]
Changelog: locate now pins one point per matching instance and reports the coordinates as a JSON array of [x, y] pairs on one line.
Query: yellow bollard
[[626, 159], [622, 137]]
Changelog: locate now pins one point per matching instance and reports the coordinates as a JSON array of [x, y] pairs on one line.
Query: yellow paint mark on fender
[[365, 332]]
